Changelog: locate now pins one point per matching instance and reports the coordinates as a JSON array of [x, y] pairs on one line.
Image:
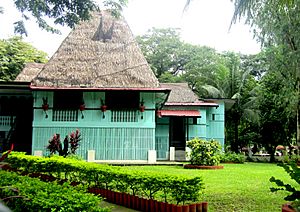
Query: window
[[122, 100], [67, 100], [66, 105], [213, 117]]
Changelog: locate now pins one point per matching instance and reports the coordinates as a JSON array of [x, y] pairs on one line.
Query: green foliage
[[22, 193], [161, 48], [230, 157], [62, 12], [14, 54], [204, 152], [152, 185], [294, 171], [276, 25], [290, 158]]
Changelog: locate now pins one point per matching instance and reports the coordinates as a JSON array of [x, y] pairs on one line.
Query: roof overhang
[[15, 88], [159, 90], [228, 102], [181, 113], [203, 104]]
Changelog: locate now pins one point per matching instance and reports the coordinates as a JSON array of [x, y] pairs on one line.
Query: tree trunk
[[272, 154]]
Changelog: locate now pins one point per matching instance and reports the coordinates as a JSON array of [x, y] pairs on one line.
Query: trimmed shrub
[[230, 157], [206, 153], [175, 189], [22, 193]]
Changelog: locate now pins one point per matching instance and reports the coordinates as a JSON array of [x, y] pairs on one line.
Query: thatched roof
[[98, 53], [29, 72], [180, 93]]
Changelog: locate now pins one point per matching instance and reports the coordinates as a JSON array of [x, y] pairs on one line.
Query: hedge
[[170, 188], [22, 193]]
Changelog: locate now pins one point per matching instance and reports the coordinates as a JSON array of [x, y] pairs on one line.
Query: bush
[[22, 193], [178, 189], [294, 171], [204, 152], [230, 157]]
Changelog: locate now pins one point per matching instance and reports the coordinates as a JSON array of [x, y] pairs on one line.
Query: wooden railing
[[124, 116], [65, 115]]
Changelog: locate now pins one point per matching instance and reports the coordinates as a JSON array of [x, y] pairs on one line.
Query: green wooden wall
[[111, 140], [207, 127], [216, 122]]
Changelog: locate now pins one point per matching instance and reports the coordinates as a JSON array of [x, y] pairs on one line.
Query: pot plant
[[294, 197], [204, 154]]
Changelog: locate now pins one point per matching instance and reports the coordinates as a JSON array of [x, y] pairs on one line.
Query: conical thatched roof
[[29, 72], [99, 53], [180, 93]]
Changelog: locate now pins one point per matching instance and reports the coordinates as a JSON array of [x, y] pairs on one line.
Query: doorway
[[177, 133]]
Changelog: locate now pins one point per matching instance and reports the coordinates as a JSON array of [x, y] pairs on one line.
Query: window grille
[[65, 115], [124, 116]]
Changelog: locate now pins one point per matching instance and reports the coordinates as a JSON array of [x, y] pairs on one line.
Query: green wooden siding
[[109, 143], [162, 138], [216, 123], [114, 135]]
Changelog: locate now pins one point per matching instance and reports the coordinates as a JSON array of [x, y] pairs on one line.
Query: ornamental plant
[[74, 141], [22, 193], [170, 188], [294, 171], [55, 145], [204, 152]]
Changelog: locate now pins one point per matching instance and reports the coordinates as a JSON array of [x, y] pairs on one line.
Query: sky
[[206, 22]]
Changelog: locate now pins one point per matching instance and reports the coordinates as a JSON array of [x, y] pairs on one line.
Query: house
[[99, 82], [184, 117]]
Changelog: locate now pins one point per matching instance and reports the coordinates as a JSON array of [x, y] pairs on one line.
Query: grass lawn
[[237, 187]]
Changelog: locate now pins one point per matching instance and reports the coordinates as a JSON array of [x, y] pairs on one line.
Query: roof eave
[[204, 104], [101, 89]]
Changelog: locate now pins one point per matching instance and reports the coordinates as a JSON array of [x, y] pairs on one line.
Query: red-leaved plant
[[55, 145], [74, 141]]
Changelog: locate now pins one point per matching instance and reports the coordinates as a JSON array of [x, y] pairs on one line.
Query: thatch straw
[[29, 72], [180, 93], [98, 53]]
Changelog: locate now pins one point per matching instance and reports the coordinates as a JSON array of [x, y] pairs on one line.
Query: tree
[[14, 54], [161, 48], [63, 12], [275, 23], [277, 119]]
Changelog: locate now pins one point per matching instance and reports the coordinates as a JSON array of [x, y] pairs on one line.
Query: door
[[177, 133]]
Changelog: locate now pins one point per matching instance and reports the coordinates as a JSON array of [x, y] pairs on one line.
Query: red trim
[[186, 113], [210, 104], [98, 89]]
